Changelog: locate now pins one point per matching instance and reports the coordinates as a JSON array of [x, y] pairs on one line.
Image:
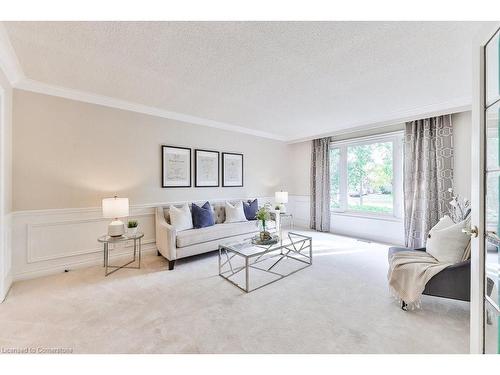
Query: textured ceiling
[[291, 79]]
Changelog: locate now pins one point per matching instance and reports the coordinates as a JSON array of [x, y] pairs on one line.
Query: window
[[335, 178], [366, 176]]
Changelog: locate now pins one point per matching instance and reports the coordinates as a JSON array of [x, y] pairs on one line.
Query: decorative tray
[[273, 240]]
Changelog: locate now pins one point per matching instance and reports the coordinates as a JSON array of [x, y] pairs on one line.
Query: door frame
[[3, 254], [478, 207], [478, 183]]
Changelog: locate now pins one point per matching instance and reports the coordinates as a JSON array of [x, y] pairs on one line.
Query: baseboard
[[377, 239], [7, 283]]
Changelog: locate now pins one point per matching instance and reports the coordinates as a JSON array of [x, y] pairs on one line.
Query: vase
[[132, 231], [264, 234]]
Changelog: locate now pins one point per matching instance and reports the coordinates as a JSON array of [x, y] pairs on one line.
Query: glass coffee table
[[250, 267]]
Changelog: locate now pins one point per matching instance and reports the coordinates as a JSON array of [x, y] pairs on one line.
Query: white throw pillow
[[446, 242], [235, 213], [181, 218]]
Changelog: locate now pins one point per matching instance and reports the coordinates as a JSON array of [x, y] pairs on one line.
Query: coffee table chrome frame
[[292, 249]]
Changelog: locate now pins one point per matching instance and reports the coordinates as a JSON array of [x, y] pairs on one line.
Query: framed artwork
[[232, 169], [176, 167], [206, 168]]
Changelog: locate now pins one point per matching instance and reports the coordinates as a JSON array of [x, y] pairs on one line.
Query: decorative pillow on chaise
[[235, 213], [251, 208], [202, 216], [180, 218], [446, 242]]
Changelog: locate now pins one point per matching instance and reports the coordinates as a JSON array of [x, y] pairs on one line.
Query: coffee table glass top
[[248, 249]]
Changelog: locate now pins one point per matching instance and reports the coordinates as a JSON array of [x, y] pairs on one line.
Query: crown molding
[[9, 63], [453, 106], [107, 101]]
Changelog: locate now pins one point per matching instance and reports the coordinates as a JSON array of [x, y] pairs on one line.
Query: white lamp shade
[[281, 197], [114, 207]]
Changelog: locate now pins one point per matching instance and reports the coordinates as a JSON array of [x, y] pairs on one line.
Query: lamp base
[[282, 207], [116, 228]]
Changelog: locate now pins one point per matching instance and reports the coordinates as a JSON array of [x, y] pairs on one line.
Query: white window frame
[[397, 178]]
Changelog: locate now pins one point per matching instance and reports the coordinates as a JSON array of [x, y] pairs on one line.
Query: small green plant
[[277, 207], [263, 213], [133, 224]]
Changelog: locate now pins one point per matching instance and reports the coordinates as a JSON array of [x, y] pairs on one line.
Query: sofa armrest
[[165, 236]]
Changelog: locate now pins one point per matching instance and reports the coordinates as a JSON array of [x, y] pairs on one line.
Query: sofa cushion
[[234, 212], [218, 231], [219, 212], [202, 216], [218, 207], [251, 208], [181, 217]]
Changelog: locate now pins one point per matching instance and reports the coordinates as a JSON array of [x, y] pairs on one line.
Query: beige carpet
[[339, 305]]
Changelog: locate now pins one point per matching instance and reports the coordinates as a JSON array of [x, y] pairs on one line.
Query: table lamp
[[281, 197], [113, 208]]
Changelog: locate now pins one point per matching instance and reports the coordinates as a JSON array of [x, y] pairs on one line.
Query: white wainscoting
[[390, 231], [6, 256], [50, 241], [374, 229], [299, 206]]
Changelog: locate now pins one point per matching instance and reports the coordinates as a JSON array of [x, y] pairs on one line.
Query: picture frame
[[175, 166], [206, 168], [232, 169]]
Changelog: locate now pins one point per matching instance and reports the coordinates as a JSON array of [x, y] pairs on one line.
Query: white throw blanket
[[409, 272]]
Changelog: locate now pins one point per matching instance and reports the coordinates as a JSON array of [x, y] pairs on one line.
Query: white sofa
[[173, 244]]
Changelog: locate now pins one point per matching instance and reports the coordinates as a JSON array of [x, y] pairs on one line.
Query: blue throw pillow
[[202, 216], [251, 208]]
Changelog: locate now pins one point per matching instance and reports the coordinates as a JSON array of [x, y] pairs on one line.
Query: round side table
[[107, 240]]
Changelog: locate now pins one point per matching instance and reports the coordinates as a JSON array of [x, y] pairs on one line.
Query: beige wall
[[5, 185], [69, 154], [300, 180], [6, 142]]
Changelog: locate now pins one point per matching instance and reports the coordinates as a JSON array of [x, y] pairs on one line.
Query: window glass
[[335, 178], [369, 178]]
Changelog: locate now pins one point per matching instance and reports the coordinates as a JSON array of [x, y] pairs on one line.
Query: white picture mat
[[176, 166], [233, 170], [207, 168]]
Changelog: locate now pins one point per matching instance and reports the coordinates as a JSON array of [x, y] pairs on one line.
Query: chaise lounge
[[453, 282]]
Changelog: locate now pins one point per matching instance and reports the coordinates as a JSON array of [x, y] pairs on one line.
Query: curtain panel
[[428, 174], [320, 185]]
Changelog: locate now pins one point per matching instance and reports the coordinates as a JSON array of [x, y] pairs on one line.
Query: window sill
[[367, 216]]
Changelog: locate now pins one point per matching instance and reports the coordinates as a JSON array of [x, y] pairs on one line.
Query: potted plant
[[132, 227], [263, 215]]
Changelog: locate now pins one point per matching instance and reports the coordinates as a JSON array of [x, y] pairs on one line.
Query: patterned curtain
[[320, 185], [428, 175]]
